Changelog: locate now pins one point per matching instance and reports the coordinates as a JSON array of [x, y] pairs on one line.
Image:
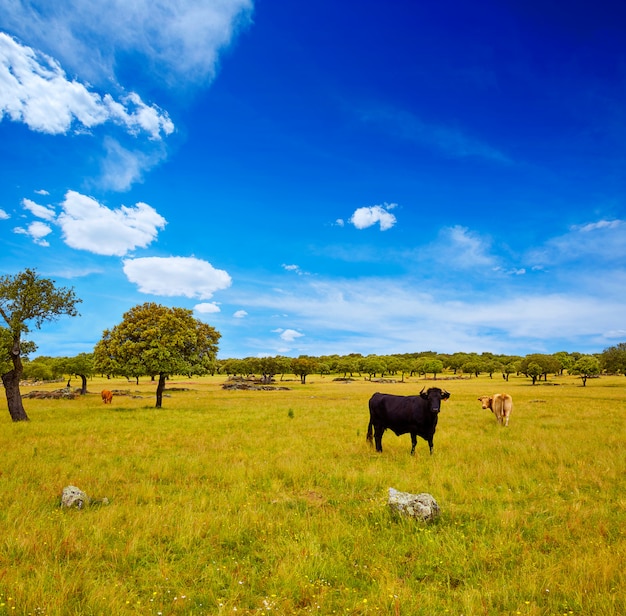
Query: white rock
[[421, 506], [74, 497]]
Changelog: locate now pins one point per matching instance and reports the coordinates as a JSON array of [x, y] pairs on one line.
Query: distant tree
[[393, 364], [405, 367], [490, 366], [565, 359], [156, 340], [232, 367], [433, 366], [43, 368], [613, 359], [331, 361], [456, 361], [586, 366], [508, 368], [303, 366], [323, 368], [283, 365], [347, 365], [473, 366], [80, 366], [39, 369], [548, 364], [372, 365], [26, 300], [533, 370], [268, 367], [213, 366]]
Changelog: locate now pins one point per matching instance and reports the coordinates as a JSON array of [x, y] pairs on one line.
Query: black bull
[[416, 415]]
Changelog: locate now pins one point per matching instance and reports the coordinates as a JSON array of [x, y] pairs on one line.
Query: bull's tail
[[370, 433]]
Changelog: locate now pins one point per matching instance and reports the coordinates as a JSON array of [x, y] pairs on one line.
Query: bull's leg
[[413, 443], [430, 445], [378, 437]]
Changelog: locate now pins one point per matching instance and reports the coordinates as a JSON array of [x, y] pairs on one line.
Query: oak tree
[[81, 366], [26, 301], [156, 340], [586, 366]]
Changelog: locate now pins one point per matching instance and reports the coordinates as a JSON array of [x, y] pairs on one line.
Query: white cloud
[[240, 314], [3, 215], [289, 335], [207, 308], [40, 211], [293, 268], [35, 90], [37, 231], [179, 40], [121, 167], [601, 224], [137, 116], [463, 249], [42, 192], [365, 217], [88, 225], [602, 240], [176, 276], [381, 315], [459, 248]]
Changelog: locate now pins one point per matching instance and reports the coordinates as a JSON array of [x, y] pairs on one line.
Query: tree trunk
[[159, 390], [83, 389], [11, 382]]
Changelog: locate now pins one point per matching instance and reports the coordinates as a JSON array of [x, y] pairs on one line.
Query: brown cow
[[500, 404], [107, 396]]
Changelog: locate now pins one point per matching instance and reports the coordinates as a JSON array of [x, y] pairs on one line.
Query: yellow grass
[[271, 502]]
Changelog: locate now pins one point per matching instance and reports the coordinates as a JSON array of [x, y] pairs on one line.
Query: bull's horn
[[423, 388]]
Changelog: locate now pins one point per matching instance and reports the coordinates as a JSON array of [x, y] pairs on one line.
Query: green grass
[[271, 502]]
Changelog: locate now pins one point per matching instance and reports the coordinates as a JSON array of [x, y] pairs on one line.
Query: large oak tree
[[26, 300], [156, 340]]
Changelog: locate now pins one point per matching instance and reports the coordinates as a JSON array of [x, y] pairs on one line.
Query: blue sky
[[321, 178]]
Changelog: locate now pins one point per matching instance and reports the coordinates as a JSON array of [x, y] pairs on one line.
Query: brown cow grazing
[[500, 404], [107, 396]]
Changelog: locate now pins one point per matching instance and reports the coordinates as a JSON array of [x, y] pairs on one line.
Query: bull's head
[[434, 396], [486, 401]]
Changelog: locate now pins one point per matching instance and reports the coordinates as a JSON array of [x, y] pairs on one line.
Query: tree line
[[158, 342], [428, 364]]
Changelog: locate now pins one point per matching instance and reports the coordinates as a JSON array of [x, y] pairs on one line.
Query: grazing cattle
[[107, 396], [416, 415], [500, 404]]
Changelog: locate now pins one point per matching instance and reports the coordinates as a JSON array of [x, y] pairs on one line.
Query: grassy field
[[271, 502]]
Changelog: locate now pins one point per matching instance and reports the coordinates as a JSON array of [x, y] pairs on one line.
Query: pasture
[[271, 502]]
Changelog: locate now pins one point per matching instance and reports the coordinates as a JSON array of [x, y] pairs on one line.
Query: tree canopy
[[156, 340]]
